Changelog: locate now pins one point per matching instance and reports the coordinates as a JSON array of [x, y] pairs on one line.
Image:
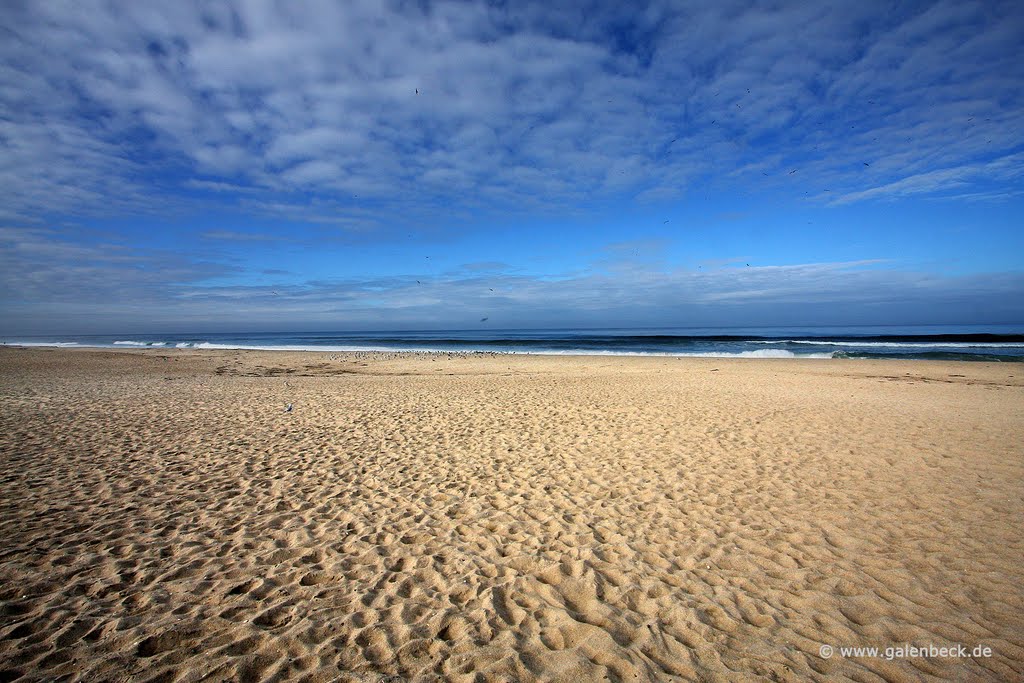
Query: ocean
[[972, 343]]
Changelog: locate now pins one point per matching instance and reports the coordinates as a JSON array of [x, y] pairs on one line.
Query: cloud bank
[[126, 126], [99, 288], [408, 108]]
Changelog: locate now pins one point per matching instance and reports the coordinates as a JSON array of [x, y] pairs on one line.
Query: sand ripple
[[504, 519]]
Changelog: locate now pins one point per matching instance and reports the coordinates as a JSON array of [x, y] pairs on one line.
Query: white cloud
[[46, 278], [943, 180], [359, 118], [526, 105]]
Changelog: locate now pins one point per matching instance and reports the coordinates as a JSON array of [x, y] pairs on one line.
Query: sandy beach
[[506, 518]]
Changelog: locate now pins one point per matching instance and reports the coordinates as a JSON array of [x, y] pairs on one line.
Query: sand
[[506, 518]]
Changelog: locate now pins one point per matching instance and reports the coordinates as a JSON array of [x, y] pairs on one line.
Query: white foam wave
[[760, 353], [895, 345]]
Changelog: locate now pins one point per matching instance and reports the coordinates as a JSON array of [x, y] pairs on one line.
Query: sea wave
[[893, 345], [760, 353], [697, 347]]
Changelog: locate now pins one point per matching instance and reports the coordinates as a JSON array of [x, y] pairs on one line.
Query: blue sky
[[399, 165]]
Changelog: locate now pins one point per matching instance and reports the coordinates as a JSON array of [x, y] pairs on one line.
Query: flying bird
[[866, 163], [792, 172], [483, 320], [664, 222], [417, 91], [491, 289]]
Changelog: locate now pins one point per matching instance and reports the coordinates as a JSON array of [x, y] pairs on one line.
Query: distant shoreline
[[411, 354]]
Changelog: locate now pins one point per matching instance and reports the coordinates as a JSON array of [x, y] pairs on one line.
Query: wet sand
[[505, 518]]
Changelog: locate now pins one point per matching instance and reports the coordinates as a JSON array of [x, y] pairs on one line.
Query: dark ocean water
[[940, 343]]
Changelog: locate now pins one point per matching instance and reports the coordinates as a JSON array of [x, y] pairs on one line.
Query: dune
[[436, 517]]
